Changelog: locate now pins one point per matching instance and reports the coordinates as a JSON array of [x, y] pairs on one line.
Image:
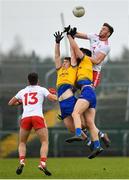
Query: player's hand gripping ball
[[78, 11]]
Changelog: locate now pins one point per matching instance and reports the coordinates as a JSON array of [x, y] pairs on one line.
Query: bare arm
[[100, 57], [57, 56], [81, 35], [73, 57], [74, 46], [58, 38], [14, 102], [52, 97]]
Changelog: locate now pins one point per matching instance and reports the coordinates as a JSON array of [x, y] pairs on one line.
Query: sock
[[43, 161], [22, 159], [101, 134], [78, 131], [96, 144]]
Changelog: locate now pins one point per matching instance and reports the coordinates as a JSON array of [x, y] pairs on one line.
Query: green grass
[[68, 168]]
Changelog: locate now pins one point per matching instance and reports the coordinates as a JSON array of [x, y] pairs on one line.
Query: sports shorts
[[67, 106], [89, 94], [30, 122]]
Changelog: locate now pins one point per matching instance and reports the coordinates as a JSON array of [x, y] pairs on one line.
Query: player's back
[[85, 70], [32, 98]]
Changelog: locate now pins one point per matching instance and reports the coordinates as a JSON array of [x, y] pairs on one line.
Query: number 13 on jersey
[[30, 98]]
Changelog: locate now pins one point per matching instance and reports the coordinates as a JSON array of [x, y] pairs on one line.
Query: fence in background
[[112, 107]]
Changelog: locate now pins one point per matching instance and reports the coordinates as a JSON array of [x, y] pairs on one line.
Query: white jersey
[[32, 98], [97, 46]]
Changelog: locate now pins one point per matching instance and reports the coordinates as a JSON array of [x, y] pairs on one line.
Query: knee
[[45, 142], [22, 143], [75, 114]]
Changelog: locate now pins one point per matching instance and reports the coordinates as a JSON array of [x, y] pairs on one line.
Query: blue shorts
[[63, 88], [67, 106], [88, 93]]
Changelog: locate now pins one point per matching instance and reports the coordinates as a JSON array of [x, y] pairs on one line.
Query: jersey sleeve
[[105, 49], [18, 95], [45, 92], [90, 36]]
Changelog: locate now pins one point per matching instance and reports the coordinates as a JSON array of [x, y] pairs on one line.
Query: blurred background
[[27, 45]]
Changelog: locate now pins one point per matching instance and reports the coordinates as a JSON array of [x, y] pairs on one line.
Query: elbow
[[96, 63], [9, 104]]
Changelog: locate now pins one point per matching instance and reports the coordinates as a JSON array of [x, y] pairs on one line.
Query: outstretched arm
[[75, 48], [76, 34], [58, 38], [52, 97], [57, 56], [81, 35], [73, 57]]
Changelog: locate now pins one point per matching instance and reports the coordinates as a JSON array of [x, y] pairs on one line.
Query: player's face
[[66, 63], [104, 32]]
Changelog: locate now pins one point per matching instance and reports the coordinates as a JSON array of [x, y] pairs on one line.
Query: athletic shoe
[[95, 152], [88, 143], [86, 132], [44, 169], [106, 140], [74, 138], [20, 169]]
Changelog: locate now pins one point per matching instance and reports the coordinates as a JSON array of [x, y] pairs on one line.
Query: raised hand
[[73, 31], [67, 29], [58, 36]]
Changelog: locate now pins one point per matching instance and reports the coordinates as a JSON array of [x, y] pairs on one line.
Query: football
[[78, 11], [52, 90]]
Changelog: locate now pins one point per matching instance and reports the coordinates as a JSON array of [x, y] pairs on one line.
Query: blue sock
[[96, 144], [78, 132]]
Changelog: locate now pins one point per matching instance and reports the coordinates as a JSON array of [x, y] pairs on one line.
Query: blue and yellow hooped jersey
[[85, 70], [66, 76]]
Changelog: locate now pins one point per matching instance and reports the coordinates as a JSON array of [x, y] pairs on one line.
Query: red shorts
[[35, 122], [96, 78]]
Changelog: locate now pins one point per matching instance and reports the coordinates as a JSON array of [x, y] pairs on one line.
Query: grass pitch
[[68, 168]]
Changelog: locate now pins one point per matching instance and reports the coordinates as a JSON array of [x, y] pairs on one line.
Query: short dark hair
[[33, 78], [86, 51], [67, 58], [111, 30]]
